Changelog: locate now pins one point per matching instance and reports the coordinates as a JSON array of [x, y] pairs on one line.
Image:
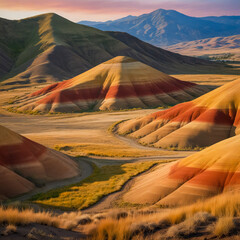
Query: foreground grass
[[103, 181], [224, 205], [216, 214], [14, 216], [107, 150], [224, 208]]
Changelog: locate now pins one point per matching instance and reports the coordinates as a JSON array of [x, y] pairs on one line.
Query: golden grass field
[[103, 181], [216, 217], [107, 150], [224, 208]]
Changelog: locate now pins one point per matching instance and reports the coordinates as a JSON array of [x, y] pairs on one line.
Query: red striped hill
[[24, 163], [120, 83], [202, 122], [210, 172]]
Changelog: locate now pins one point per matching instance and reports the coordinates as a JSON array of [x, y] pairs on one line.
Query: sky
[[102, 10]]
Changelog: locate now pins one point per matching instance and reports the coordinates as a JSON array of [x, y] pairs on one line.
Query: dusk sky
[[101, 10]]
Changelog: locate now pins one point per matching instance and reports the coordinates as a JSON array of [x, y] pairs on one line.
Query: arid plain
[[88, 140]]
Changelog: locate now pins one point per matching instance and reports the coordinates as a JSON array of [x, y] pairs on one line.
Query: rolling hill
[[48, 48], [229, 20], [120, 83], [202, 122], [218, 48], [25, 164], [204, 174], [168, 27]]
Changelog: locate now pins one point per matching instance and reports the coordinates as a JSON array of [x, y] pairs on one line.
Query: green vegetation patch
[[107, 150], [103, 181]]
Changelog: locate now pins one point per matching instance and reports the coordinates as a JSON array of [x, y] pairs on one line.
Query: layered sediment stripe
[[21, 156], [21, 153], [207, 173], [138, 90], [119, 78], [51, 88], [218, 178], [199, 123], [11, 184]]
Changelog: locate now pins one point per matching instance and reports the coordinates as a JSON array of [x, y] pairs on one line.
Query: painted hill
[[219, 48], [24, 163], [48, 48], [120, 83], [167, 27], [207, 173], [202, 122]]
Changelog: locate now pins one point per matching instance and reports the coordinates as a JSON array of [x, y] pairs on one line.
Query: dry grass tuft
[[10, 228], [224, 226], [112, 230], [15, 217], [191, 226], [18, 217], [223, 205]]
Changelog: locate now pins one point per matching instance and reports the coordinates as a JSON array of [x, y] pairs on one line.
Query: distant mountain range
[[218, 48], [168, 27], [49, 48]]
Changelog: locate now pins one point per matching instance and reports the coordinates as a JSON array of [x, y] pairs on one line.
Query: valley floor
[[85, 137]]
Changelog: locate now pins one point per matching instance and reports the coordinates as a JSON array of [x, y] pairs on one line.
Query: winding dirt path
[[133, 143], [85, 168], [106, 202]]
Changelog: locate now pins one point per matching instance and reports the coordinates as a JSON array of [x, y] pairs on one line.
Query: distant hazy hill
[[49, 48], [231, 20], [222, 48], [93, 23], [167, 27]]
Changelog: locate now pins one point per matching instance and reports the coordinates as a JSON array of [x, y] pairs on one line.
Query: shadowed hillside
[[25, 164], [166, 27], [49, 48]]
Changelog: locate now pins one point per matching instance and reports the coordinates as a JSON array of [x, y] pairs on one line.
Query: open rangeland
[[96, 203], [211, 80]]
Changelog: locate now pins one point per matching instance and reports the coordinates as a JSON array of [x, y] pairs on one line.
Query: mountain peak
[[171, 12], [167, 27]]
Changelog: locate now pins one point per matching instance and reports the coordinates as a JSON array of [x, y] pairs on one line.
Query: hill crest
[[49, 48], [119, 83], [202, 122]]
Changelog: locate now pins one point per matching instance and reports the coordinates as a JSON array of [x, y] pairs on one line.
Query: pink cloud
[[90, 6], [125, 7]]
